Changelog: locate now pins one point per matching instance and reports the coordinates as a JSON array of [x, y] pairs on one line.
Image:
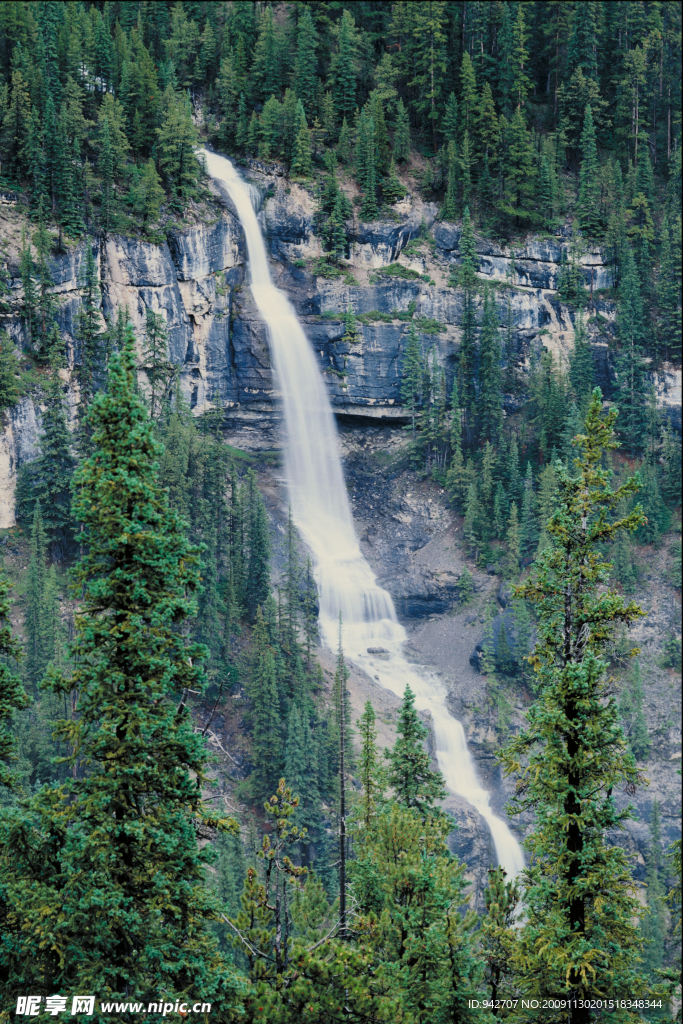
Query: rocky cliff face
[[197, 280]]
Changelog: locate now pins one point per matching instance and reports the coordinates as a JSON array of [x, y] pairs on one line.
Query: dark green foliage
[[501, 899], [48, 479], [588, 201], [257, 585], [490, 393], [127, 831], [581, 371], [12, 696], [410, 774], [571, 719], [159, 370], [10, 376]]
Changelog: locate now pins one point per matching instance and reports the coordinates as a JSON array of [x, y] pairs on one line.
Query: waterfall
[[321, 511]]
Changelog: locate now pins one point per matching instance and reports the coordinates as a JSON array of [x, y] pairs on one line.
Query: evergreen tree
[[161, 372], [401, 134], [12, 699], [88, 333], [568, 924], [106, 162], [125, 829], [581, 371], [473, 517], [257, 586], [449, 210], [35, 593], [520, 171], [370, 770], [406, 877], [306, 61], [10, 369], [498, 936], [467, 278], [343, 71], [630, 366], [450, 122], [52, 473], [301, 160], [514, 542], [588, 201], [490, 403], [528, 528], [410, 774], [393, 190], [177, 137]]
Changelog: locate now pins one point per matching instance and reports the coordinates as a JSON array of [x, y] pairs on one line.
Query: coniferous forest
[[197, 805]]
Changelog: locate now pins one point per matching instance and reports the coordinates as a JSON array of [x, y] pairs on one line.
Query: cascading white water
[[321, 510]]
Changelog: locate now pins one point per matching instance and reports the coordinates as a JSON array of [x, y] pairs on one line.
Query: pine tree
[[257, 586], [106, 162], [488, 127], [301, 161], [500, 511], [12, 699], [498, 932], [344, 147], [467, 278], [630, 367], [161, 372], [306, 61], [45, 301], [520, 171], [581, 371], [88, 332], [450, 122], [588, 201], [401, 134], [10, 370], [514, 542], [393, 190], [35, 592], [265, 69], [52, 472], [406, 877], [414, 781], [490, 403], [366, 167], [177, 137], [133, 815], [528, 528], [343, 71], [370, 770], [568, 925], [27, 272], [449, 210], [468, 92], [473, 516]]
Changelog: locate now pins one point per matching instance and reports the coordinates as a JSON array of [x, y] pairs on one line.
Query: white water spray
[[321, 510]]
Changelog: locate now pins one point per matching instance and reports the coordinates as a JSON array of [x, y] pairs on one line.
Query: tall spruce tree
[[35, 595], [467, 356], [410, 774], [588, 201], [572, 754], [490, 404]]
